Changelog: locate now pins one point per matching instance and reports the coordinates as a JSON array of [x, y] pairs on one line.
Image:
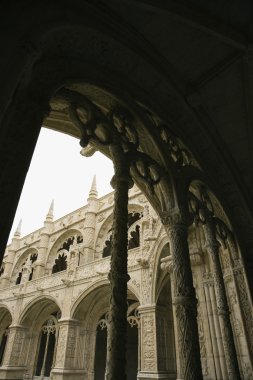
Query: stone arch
[[29, 255], [61, 247], [105, 232], [163, 251], [35, 306], [162, 299], [154, 70], [102, 235], [43, 51], [83, 295], [33, 317], [90, 307], [219, 210], [5, 317]]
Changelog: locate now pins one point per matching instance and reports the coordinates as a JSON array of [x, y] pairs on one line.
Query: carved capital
[[175, 218]]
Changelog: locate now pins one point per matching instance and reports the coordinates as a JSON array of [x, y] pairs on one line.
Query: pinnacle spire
[[17, 233], [50, 214], [93, 190]]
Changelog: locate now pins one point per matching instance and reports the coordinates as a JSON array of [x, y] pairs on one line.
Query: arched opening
[[142, 72], [60, 263], [165, 318], [100, 350], [67, 245], [41, 323], [165, 330], [132, 350], [133, 234], [24, 269], [5, 321], [92, 314], [46, 347]]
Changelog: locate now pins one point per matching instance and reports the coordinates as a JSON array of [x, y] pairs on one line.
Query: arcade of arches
[[54, 323], [155, 280]]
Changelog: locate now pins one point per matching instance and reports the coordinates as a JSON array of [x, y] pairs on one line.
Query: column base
[[12, 373], [67, 374], [156, 375]]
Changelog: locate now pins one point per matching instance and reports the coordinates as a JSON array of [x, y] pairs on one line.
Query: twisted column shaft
[[212, 246], [118, 276], [185, 304]]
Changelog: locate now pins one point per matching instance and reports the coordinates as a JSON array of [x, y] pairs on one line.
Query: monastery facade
[[55, 298]]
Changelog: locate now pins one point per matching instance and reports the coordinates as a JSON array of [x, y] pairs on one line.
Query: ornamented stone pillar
[[184, 299], [242, 292], [212, 246], [8, 262], [89, 224], [154, 352], [15, 354], [118, 276], [211, 314], [39, 265], [167, 266], [65, 365], [148, 359]]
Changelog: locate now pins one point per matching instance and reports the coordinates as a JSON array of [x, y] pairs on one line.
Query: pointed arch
[[36, 310], [27, 258], [58, 254]]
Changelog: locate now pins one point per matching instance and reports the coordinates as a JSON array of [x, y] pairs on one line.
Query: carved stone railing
[[86, 271]]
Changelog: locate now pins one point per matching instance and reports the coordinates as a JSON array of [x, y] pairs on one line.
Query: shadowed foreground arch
[[131, 94]]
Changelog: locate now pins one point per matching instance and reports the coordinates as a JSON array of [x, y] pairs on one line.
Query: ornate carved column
[[148, 359], [15, 354], [89, 224], [39, 265], [242, 292], [184, 299], [9, 260], [154, 344], [212, 246], [118, 276], [167, 266], [216, 343], [65, 364]]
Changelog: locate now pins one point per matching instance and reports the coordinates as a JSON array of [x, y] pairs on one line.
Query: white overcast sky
[[58, 171]]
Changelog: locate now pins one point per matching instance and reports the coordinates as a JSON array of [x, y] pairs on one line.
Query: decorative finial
[[50, 214], [18, 230], [93, 190]]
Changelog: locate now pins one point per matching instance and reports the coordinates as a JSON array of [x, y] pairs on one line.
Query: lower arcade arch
[[132, 345], [164, 315], [39, 346], [92, 314]]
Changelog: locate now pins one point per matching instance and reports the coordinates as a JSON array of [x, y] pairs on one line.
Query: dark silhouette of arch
[[60, 263], [133, 242], [46, 349], [3, 343]]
